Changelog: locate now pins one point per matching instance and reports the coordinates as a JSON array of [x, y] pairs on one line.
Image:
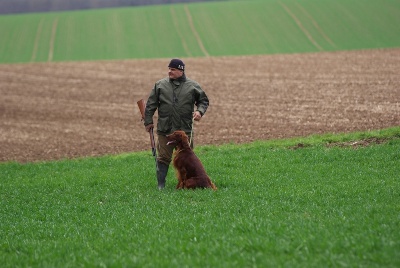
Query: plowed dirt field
[[74, 109]]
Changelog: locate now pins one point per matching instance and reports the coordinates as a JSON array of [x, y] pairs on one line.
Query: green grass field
[[316, 206], [200, 29]]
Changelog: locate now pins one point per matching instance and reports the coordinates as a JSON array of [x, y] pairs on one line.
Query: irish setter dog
[[190, 171]]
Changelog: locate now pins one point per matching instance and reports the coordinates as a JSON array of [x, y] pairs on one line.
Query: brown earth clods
[[74, 109]]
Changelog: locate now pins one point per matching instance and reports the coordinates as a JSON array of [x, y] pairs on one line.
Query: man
[[175, 97]]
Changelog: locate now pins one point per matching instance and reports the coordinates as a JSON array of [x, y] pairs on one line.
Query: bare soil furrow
[[53, 111]]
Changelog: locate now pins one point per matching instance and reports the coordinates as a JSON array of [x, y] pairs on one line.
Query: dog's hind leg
[[196, 182]]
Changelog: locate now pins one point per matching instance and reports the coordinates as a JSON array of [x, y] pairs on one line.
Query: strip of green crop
[[316, 206], [200, 29]]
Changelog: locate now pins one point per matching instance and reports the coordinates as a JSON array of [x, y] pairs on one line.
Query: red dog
[[190, 172]]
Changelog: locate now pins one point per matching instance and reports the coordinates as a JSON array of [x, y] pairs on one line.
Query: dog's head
[[178, 138]]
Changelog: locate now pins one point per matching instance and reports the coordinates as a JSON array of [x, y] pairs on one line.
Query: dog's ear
[[184, 137]]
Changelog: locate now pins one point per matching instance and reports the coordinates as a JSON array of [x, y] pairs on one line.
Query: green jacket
[[175, 100]]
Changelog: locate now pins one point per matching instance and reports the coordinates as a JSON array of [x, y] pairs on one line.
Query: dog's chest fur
[[186, 159]]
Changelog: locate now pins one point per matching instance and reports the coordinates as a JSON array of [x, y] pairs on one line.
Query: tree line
[[29, 6]]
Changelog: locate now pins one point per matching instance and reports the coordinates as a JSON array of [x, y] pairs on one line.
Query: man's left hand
[[197, 116]]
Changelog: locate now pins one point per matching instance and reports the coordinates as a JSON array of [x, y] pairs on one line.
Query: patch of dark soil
[[299, 146], [358, 143]]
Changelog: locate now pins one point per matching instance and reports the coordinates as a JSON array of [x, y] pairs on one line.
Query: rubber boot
[[161, 174]]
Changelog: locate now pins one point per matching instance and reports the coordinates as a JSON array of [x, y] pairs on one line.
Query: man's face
[[174, 73]]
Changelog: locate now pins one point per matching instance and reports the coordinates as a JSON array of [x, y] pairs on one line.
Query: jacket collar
[[179, 80]]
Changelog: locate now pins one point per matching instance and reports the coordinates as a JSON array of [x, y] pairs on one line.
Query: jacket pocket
[[164, 124], [186, 124]]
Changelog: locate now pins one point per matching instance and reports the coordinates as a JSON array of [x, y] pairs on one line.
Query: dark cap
[[177, 64]]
